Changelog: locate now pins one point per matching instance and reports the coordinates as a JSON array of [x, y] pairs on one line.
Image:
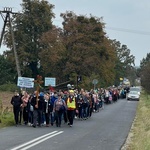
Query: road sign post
[[95, 81]]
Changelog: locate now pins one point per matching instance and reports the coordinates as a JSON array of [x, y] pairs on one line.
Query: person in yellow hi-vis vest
[[71, 106]]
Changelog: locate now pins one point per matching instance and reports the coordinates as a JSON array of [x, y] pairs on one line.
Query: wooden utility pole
[[7, 19]]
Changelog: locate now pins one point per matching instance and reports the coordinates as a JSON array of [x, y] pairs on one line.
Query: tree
[[81, 47], [145, 61], [145, 77], [87, 48], [124, 61], [7, 72], [52, 53], [35, 19]]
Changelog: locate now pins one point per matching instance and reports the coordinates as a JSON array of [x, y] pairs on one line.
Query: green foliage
[[81, 47], [52, 56], [144, 73], [124, 62], [87, 82], [145, 61], [88, 51], [29, 26], [6, 119], [9, 87], [145, 77], [6, 70]]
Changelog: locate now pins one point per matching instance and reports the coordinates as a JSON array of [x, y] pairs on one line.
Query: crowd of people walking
[[52, 107]]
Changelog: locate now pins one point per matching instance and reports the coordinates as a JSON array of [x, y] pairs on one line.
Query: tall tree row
[[145, 73], [80, 47], [124, 62], [87, 49]]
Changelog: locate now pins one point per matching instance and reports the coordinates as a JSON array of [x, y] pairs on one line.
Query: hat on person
[[71, 91]]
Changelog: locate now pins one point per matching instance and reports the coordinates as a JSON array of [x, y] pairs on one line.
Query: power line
[[129, 30], [121, 29]]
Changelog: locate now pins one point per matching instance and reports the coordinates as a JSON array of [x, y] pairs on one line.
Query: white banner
[[50, 81], [25, 82]]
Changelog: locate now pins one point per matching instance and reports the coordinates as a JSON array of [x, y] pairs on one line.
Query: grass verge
[[6, 117], [139, 135], [6, 120]]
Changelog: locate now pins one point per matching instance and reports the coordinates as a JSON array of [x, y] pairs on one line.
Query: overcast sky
[[127, 21]]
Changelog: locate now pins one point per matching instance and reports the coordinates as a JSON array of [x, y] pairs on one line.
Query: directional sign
[[25, 82], [50, 81], [95, 81]]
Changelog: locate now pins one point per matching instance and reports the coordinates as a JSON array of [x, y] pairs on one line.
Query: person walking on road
[[47, 107], [25, 99], [59, 108], [17, 103], [38, 109], [71, 106]]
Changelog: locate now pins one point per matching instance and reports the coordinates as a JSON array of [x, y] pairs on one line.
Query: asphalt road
[[105, 130]]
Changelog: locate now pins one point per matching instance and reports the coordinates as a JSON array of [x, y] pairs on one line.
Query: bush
[[9, 87]]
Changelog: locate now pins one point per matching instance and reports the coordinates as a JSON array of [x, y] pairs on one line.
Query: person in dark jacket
[[80, 106], [37, 104], [17, 103], [91, 103]]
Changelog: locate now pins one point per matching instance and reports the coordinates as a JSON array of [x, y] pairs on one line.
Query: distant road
[[106, 130]]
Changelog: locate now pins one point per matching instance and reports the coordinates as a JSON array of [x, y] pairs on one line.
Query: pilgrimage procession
[[68, 78], [61, 107]]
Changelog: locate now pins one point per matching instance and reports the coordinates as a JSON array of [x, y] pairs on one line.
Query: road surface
[[105, 130]]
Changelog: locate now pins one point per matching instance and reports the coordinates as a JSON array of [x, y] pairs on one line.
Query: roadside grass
[[6, 117], [6, 120], [139, 135]]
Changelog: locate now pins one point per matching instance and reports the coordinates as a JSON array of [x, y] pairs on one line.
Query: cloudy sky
[[127, 21]]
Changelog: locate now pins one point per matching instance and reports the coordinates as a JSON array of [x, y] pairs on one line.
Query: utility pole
[[7, 19]]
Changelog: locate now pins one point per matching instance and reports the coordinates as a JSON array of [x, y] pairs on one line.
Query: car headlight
[[129, 96]]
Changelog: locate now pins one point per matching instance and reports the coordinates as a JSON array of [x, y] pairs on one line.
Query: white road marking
[[37, 140], [40, 141]]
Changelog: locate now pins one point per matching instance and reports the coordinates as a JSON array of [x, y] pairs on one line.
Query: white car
[[133, 95], [138, 89]]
